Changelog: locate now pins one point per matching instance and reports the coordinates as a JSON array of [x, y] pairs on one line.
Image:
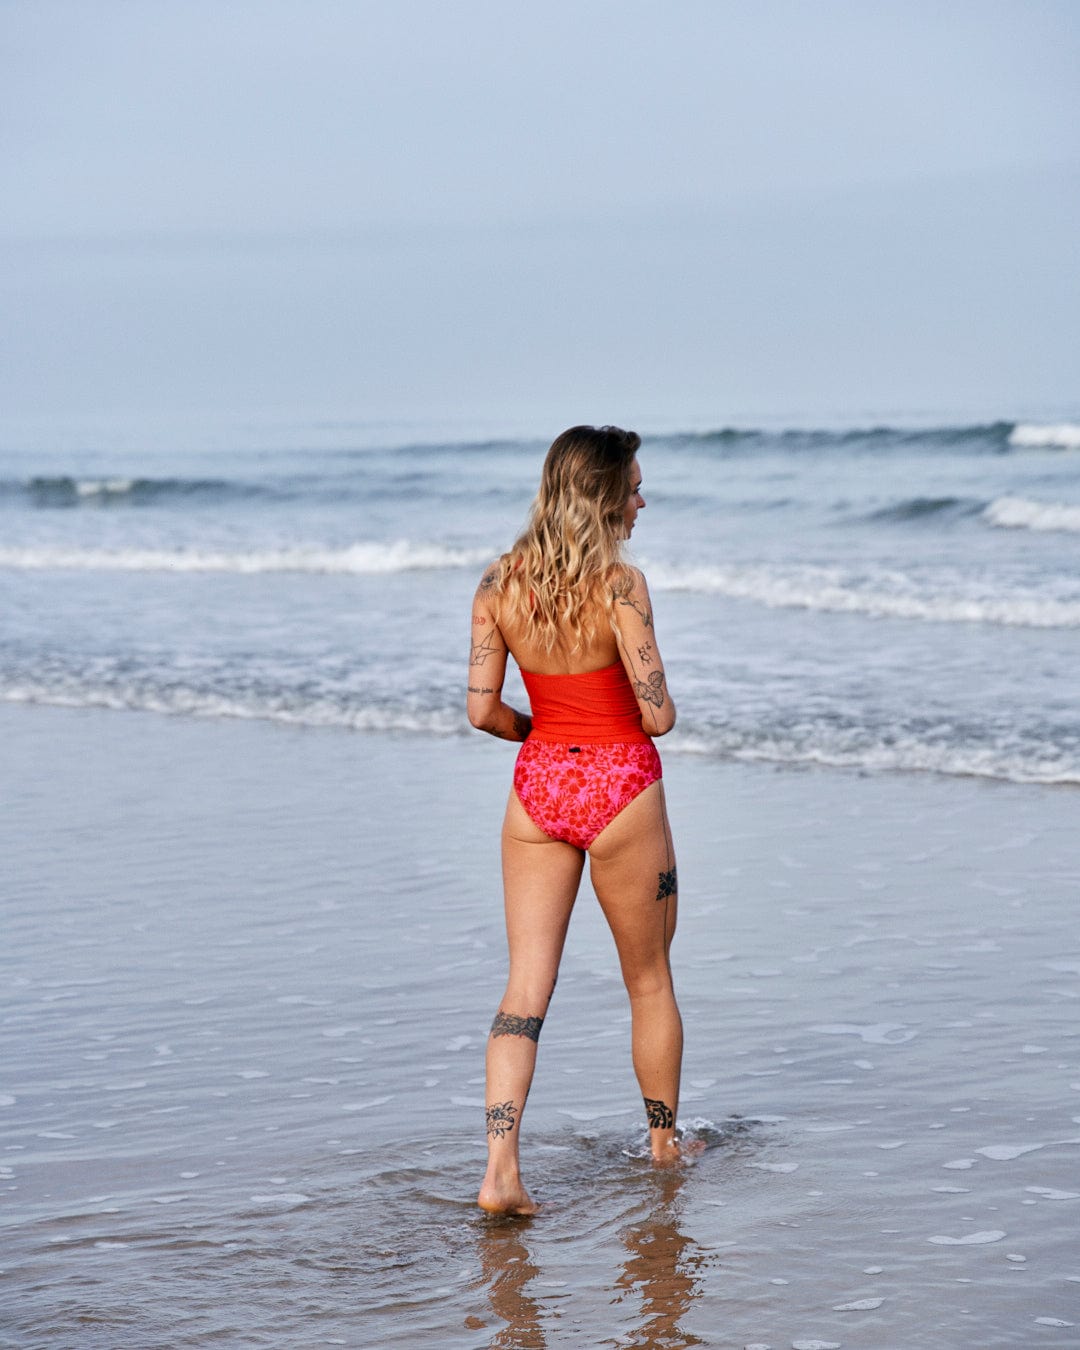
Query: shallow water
[[243, 1033]]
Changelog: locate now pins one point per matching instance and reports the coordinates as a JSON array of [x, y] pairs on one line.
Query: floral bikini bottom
[[572, 792]]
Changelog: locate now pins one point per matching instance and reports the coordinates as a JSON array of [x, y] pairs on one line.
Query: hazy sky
[[605, 209]]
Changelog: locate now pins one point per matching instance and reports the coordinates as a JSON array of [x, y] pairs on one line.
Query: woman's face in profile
[[635, 501]]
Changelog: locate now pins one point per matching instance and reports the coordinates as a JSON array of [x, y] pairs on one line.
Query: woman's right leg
[[540, 880], [632, 865]]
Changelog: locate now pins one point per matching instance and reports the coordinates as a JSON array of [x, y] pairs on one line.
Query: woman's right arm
[[487, 670], [640, 653]]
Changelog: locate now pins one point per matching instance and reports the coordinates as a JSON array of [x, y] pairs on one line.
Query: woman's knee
[[650, 981]]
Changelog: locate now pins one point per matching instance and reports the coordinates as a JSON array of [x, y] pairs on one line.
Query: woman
[[577, 619]]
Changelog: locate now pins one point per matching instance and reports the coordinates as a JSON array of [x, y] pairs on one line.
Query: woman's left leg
[[632, 865], [540, 880]]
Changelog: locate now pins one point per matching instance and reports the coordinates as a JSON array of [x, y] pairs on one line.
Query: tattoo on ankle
[[500, 1119], [510, 1024], [669, 885], [661, 1116]]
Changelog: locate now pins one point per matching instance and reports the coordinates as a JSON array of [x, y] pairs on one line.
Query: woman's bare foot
[[669, 1152], [505, 1195]]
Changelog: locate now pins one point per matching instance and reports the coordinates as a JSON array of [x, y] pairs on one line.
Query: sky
[[701, 214]]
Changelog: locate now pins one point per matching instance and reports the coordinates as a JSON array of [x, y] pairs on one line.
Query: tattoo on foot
[[669, 885], [510, 1024], [651, 690], [661, 1116], [500, 1119]]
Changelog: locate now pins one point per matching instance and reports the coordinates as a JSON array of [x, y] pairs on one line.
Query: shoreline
[[254, 975]]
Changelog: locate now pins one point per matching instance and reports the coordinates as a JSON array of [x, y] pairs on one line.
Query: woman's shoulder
[[492, 575], [626, 579]]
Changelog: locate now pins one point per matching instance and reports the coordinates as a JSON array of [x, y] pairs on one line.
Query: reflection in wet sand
[[507, 1271], [664, 1266]]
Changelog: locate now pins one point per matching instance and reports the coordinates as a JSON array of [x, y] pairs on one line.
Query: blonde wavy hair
[[557, 579]]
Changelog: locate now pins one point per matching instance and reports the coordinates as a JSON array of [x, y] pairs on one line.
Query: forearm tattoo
[[518, 730], [661, 1116], [500, 1119], [510, 1024], [669, 885], [652, 689]]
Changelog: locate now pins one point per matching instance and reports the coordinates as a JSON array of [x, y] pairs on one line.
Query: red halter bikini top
[[597, 707]]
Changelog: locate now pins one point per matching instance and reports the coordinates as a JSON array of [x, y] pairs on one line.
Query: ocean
[[882, 600], [252, 922]]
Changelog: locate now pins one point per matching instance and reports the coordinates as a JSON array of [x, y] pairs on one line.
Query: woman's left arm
[[487, 670]]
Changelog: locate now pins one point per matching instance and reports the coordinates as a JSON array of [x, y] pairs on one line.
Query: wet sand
[[249, 972]]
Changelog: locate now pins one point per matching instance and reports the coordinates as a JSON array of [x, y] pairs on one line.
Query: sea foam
[[1019, 513], [890, 596], [367, 558]]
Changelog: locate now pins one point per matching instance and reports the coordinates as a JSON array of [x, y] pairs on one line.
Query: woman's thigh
[[632, 866], [541, 877]]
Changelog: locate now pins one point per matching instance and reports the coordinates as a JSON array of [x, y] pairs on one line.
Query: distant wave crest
[[66, 491], [887, 596], [918, 508], [369, 558], [992, 436], [1062, 435], [1018, 513]]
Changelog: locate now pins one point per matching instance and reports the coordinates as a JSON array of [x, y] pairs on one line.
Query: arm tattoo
[[510, 1024], [500, 1119], [482, 650], [489, 579], [661, 1116], [475, 689], [518, 730], [622, 593], [651, 690], [643, 654], [669, 885]]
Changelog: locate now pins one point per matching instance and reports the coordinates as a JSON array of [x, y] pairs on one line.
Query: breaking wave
[[1061, 436], [1018, 513], [364, 559]]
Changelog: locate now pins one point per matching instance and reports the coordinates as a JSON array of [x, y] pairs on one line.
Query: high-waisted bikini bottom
[[573, 792]]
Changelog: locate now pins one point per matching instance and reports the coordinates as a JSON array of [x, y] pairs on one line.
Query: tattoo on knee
[[669, 885], [510, 1024], [661, 1116], [500, 1119]]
